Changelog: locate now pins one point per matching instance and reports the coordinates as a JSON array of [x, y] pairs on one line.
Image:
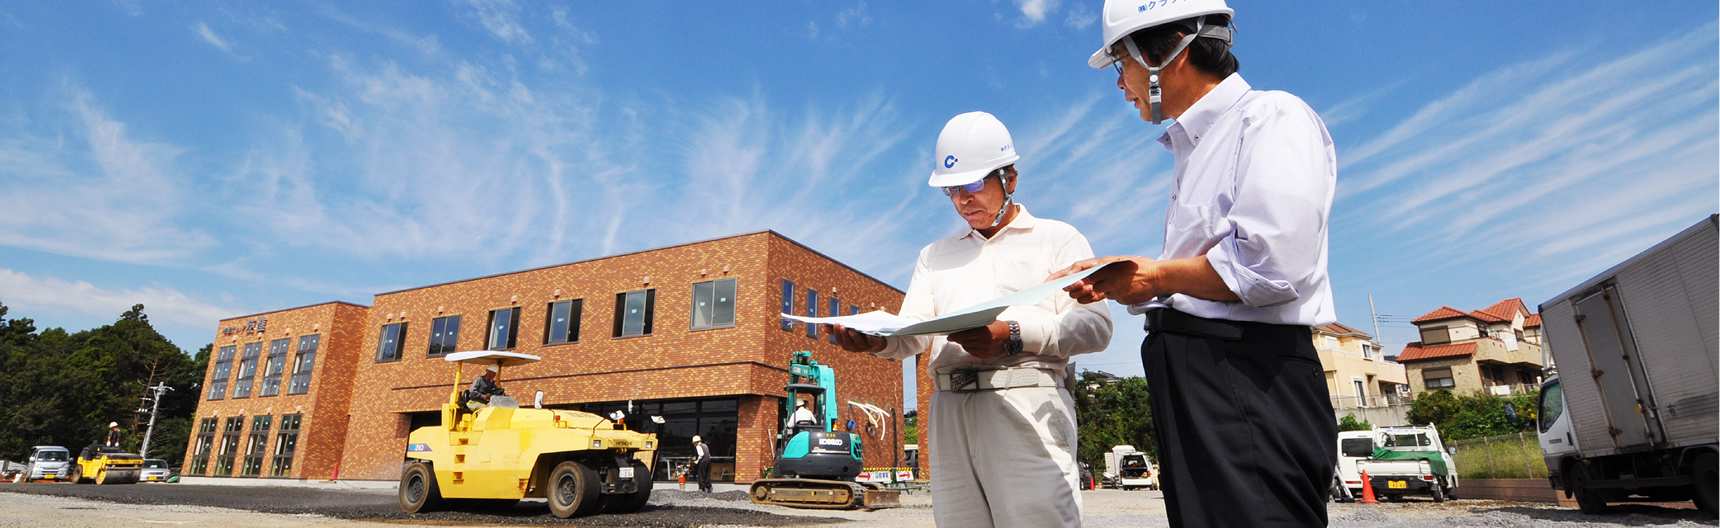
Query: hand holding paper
[[883, 324]]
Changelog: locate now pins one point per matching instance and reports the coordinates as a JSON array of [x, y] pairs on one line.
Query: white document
[[883, 324]]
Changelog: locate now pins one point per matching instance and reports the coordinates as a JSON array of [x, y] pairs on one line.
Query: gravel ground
[[65, 505]]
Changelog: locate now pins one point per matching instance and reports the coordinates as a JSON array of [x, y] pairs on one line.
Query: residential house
[[1496, 349], [1357, 374]]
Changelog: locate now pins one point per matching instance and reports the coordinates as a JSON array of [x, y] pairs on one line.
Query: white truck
[[1353, 446], [1410, 460], [1631, 413], [1126, 468]]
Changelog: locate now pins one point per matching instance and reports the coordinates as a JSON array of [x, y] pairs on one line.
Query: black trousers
[[1244, 426], [702, 471]]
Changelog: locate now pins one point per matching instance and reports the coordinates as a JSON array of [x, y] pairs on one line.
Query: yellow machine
[[581, 462], [106, 465]]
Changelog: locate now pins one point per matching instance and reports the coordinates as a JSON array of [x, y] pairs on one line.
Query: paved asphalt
[[665, 508]]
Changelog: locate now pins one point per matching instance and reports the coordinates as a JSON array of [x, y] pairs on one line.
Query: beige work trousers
[[1004, 458]]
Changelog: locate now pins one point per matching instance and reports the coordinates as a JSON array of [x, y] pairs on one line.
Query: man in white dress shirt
[[1239, 399], [1002, 421]]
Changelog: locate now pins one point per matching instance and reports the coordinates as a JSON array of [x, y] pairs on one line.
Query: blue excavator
[[816, 465]]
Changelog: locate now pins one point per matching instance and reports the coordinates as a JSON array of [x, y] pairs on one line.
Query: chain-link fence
[[1508, 456]]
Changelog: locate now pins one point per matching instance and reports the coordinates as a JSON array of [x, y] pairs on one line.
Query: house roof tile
[[1415, 351], [1444, 312], [1342, 329], [1532, 321]]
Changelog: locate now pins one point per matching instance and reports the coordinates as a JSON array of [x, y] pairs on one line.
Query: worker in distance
[[1003, 423], [1239, 399]]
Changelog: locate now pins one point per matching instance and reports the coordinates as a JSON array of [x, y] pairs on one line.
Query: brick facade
[[359, 413]]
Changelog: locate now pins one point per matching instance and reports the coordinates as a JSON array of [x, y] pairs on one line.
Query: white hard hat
[[696, 439], [1122, 17], [491, 368], [970, 147], [113, 424], [800, 403]]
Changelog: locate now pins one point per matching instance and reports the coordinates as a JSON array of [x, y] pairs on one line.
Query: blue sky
[[212, 159]]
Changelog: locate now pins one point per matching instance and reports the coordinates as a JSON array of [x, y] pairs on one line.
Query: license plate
[[1397, 484], [626, 472], [152, 479]]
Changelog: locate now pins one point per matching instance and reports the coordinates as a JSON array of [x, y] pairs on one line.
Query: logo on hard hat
[[949, 162], [1006, 148]]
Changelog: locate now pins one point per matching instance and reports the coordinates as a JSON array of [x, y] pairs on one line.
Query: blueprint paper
[[883, 324]]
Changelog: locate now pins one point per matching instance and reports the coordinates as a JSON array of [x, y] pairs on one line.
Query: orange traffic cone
[[1368, 490]]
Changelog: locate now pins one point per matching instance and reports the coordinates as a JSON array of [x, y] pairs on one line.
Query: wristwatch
[[1013, 346]]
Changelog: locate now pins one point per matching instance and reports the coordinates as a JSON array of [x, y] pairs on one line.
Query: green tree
[[63, 389], [911, 427], [1112, 412], [1349, 423]]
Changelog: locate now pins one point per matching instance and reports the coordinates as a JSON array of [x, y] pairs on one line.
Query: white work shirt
[[802, 414], [1254, 178], [966, 269]]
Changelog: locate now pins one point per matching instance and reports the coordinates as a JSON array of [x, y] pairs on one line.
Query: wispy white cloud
[[854, 15], [1080, 17], [1034, 11], [209, 36], [80, 184], [500, 18], [27, 294]]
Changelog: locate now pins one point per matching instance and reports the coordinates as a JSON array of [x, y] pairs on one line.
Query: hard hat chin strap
[[1154, 93], [1008, 198]]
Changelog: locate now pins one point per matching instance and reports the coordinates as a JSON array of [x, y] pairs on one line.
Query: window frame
[[295, 382], [715, 319], [286, 445], [399, 344], [569, 334], [513, 329], [787, 305], [246, 381], [811, 311], [273, 365], [1450, 377], [1444, 330], [229, 450], [223, 372], [443, 341], [835, 310], [204, 453], [256, 445], [647, 326]]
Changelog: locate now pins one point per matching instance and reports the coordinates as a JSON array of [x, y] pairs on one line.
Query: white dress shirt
[[1254, 178], [966, 269]]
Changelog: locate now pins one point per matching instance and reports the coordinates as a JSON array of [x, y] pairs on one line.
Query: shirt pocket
[[1194, 229], [1014, 275]]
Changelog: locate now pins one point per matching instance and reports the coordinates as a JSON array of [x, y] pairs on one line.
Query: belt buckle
[[961, 379]]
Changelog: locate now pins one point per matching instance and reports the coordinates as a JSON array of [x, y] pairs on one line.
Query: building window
[[714, 304], [853, 310], [247, 370], [787, 304], [633, 312], [835, 310], [503, 330], [1367, 350], [272, 367], [444, 335], [1435, 335], [223, 369], [811, 311], [286, 443], [389, 344], [307, 358], [561, 325], [205, 441], [1439, 378], [229, 446], [257, 446]]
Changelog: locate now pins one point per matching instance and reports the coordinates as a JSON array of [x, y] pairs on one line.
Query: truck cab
[[1353, 446]]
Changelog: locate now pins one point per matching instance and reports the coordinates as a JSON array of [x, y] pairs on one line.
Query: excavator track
[[822, 494]]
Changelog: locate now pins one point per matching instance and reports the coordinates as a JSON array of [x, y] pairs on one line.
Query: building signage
[[254, 325]]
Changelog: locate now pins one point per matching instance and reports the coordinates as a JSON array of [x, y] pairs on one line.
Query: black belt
[[1175, 322]]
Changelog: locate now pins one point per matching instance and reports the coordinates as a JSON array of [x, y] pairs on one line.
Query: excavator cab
[[816, 465]]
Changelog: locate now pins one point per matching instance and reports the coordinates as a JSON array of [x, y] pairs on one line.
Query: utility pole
[[154, 406], [1376, 318]]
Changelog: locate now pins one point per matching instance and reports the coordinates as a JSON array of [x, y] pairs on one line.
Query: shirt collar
[[1200, 116], [1022, 220]]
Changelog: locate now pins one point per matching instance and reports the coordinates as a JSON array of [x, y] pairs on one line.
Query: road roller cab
[[583, 463], [106, 465]]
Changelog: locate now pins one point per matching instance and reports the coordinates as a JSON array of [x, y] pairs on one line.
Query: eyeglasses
[[1117, 61], [969, 188]]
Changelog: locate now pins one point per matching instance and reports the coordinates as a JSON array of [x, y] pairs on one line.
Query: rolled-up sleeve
[[1069, 328], [1284, 178]]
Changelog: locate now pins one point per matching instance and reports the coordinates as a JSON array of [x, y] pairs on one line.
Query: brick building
[[691, 333]]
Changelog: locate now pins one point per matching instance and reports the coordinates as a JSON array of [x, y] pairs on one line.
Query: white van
[[1353, 446]]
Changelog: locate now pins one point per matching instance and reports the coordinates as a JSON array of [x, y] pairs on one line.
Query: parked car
[[49, 463], [155, 470]]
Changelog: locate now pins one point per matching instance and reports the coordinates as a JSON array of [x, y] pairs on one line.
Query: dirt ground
[[67, 505]]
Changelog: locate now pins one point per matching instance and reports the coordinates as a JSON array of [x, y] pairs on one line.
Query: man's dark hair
[[1209, 55]]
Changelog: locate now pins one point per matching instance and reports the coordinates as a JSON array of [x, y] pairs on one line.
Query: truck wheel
[[418, 490], [1707, 475], [631, 502], [1588, 500], [573, 490], [1435, 489]]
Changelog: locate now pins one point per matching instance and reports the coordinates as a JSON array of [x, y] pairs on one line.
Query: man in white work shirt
[[801, 414], [1240, 407], [1002, 421]]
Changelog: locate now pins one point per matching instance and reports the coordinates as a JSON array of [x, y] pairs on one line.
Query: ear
[[1012, 179]]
